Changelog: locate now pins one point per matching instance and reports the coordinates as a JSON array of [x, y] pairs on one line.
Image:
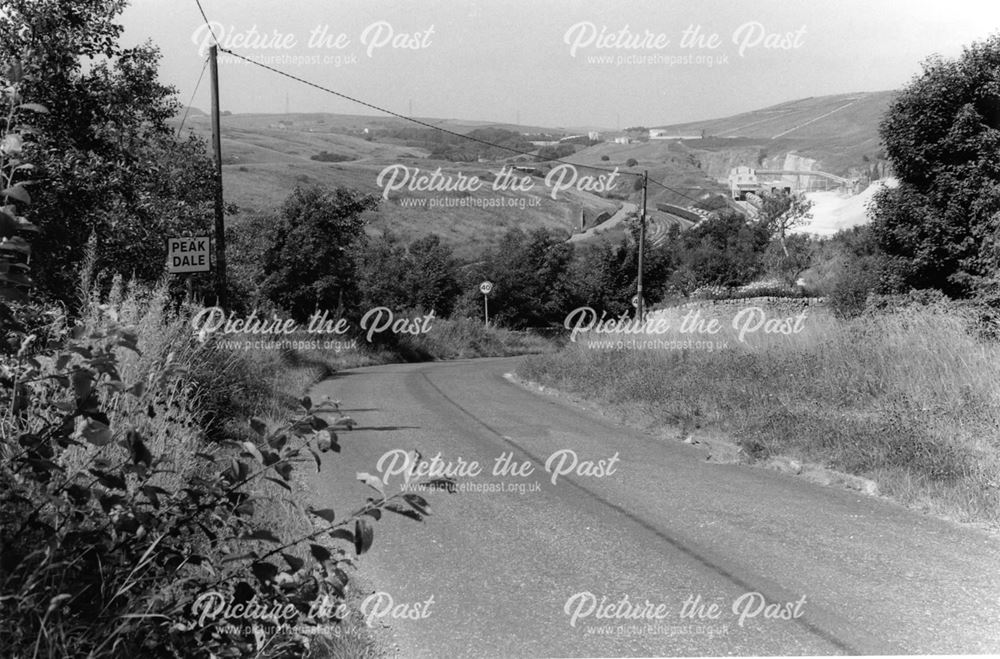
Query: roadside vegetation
[[906, 396], [147, 478], [895, 377]]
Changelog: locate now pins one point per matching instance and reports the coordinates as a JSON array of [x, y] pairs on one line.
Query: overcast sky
[[555, 63]]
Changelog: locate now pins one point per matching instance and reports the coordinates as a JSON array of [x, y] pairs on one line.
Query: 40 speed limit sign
[[486, 287]]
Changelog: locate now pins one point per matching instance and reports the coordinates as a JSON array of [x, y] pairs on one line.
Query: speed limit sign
[[486, 287]]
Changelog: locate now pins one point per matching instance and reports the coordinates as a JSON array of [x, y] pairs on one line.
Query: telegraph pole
[[221, 299], [640, 303]]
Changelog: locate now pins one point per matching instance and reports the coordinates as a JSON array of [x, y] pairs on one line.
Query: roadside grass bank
[[908, 396]]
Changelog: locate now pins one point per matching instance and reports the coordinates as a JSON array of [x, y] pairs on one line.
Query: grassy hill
[[266, 155], [835, 131]]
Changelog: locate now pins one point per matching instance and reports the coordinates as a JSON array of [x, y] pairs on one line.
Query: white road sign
[[188, 254], [486, 287]]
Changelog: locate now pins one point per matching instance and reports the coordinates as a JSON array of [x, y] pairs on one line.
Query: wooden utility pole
[[221, 299], [640, 303]]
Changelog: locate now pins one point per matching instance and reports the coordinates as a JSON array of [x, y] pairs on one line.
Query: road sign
[[486, 287], [188, 254], [635, 301]]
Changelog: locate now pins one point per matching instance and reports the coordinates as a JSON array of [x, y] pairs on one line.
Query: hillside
[[265, 156], [836, 132]]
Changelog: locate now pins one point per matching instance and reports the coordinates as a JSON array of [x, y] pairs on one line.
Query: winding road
[[682, 551]]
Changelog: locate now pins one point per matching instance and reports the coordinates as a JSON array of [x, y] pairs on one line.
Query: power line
[[412, 120], [424, 123], [196, 86], [208, 23], [439, 128]]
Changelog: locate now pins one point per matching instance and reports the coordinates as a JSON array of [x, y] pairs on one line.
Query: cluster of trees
[[939, 228], [326, 156], [556, 151], [539, 277]]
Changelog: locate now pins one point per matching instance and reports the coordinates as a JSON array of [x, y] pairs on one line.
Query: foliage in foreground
[[115, 519]]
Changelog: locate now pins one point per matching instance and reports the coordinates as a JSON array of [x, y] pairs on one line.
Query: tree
[[432, 277], [605, 276], [423, 276], [782, 212], [106, 159], [942, 137], [311, 262], [531, 273], [384, 272], [725, 250], [788, 259]]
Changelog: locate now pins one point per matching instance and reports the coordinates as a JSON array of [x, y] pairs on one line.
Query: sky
[[558, 63]]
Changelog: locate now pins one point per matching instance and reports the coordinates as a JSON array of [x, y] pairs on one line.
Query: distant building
[[743, 181], [622, 140], [593, 136], [664, 134]]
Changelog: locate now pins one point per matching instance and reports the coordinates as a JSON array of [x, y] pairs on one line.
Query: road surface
[[660, 534], [620, 216]]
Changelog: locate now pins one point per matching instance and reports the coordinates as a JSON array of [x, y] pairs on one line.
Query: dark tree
[[311, 262], [942, 137]]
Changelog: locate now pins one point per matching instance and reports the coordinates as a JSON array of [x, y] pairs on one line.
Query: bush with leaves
[[311, 258], [942, 137], [725, 251], [108, 549], [110, 162], [14, 249]]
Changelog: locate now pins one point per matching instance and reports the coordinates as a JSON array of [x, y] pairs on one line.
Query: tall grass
[[465, 338], [221, 389], [908, 397]]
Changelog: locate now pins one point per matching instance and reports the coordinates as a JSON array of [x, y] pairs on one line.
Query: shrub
[[849, 295], [325, 156], [118, 519], [326, 227]]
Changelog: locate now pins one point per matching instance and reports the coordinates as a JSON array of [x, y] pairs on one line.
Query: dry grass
[[220, 390], [466, 338], [909, 398]]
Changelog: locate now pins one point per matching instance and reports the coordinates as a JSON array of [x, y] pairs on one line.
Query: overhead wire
[[419, 122], [196, 86]]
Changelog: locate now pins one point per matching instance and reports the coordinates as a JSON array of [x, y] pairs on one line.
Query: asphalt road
[[619, 217], [522, 572]]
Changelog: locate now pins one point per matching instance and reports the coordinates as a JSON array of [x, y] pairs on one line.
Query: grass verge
[[907, 397]]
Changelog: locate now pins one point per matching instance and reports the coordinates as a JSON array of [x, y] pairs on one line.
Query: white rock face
[[833, 211]]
